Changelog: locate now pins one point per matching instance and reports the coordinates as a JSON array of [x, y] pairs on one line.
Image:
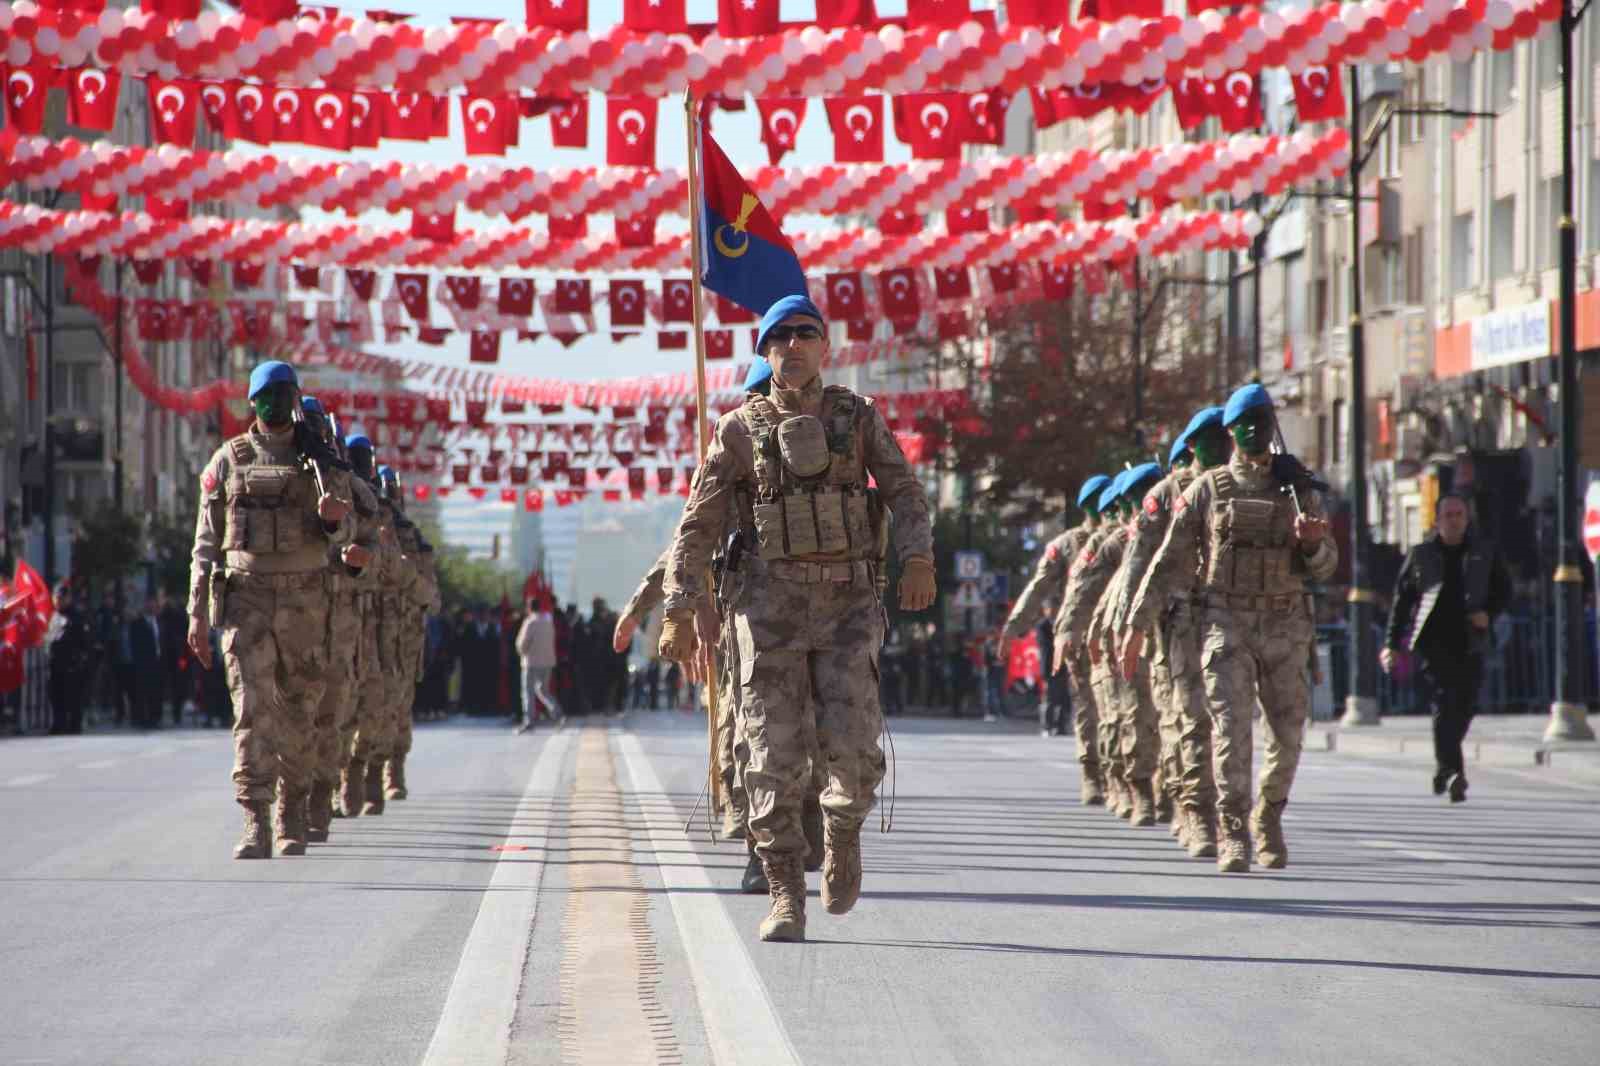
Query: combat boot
[[754, 882], [1233, 844], [374, 787], [1201, 835], [1113, 795], [256, 843], [1266, 829], [786, 887], [394, 778], [1089, 791], [841, 866], [811, 822], [319, 812], [291, 822], [1143, 811], [1165, 811], [732, 828], [352, 782]]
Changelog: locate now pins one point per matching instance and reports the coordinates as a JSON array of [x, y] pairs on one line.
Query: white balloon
[[1498, 14], [1461, 49], [1272, 24], [1012, 55], [1173, 47], [1233, 56], [1253, 224], [696, 67]]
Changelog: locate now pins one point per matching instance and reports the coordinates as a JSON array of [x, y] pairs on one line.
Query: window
[[77, 388], [1502, 79], [1463, 252], [1546, 222], [1319, 305], [1381, 275], [1502, 237], [1411, 259], [1461, 90], [1547, 57], [1412, 96]]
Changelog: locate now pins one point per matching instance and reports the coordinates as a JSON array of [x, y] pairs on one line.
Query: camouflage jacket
[[1096, 565], [648, 596], [1049, 578], [1149, 530]]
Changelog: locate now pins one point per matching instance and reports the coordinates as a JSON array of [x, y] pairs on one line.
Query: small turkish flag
[[780, 124], [307, 277], [966, 219], [844, 296], [569, 122], [255, 121], [897, 291], [359, 281], [26, 88], [409, 116], [327, 118], [631, 131], [857, 124], [731, 314], [413, 292], [566, 15], [1318, 94], [1056, 280], [747, 18], [92, 98], [173, 114], [1238, 102], [1112, 10], [654, 16], [898, 222], [1195, 100], [431, 227], [626, 298], [1003, 277], [562, 228], [465, 292], [516, 296], [1084, 101], [200, 270], [1036, 12], [638, 231], [986, 117], [216, 104], [952, 283], [636, 481], [485, 346], [246, 275], [486, 122], [573, 297], [366, 119], [859, 329], [671, 341], [953, 325], [1142, 96], [677, 301], [937, 14], [288, 117], [719, 344], [931, 124]]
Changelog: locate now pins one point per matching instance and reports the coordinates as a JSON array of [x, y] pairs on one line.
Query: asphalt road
[[537, 901]]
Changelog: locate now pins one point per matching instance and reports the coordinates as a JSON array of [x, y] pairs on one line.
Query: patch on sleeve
[[1087, 557], [1052, 553], [1181, 504], [208, 481], [1152, 506]]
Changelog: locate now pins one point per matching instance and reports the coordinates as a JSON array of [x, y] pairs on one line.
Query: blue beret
[[1135, 480], [790, 305], [1245, 398], [1204, 418], [1092, 486], [386, 472], [1179, 446], [271, 373], [311, 405], [358, 440], [1107, 500], [760, 373]]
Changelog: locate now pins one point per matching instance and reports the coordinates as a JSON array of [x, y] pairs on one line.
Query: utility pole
[[1568, 720], [48, 369], [116, 385]]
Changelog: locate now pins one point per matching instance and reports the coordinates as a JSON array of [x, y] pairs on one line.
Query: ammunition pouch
[[217, 597]]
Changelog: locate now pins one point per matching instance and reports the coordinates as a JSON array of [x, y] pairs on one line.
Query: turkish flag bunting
[[1111, 10], [626, 298], [409, 116], [558, 14], [288, 117], [173, 110], [1103, 210], [844, 296], [1140, 98], [464, 292], [859, 329], [1238, 102], [719, 344], [1094, 278], [897, 292], [485, 346], [247, 275], [780, 124], [166, 210], [327, 118], [254, 121], [92, 98], [986, 117], [654, 16], [631, 131], [636, 481], [516, 296], [432, 335], [1195, 100], [898, 222], [1318, 94], [413, 292], [307, 277], [676, 300], [573, 297], [1044, 107], [568, 229], [487, 123], [216, 104], [271, 10], [747, 18], [952, 283], [857, 124], [931, 124], [1003, 278], [359, 282], [639, 231], [200, 270], [731, 314], [671, 340], [836, 14], [429, 227], [569, 123], [26, 88], [1086, 101], [937, 14], [966, 219], [1036, 12], [366, 119], [1056, 280], [953, 325]]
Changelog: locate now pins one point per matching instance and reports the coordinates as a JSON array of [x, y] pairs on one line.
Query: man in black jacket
[[1450, 587]]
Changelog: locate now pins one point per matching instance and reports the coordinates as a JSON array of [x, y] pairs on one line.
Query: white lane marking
[[99, 764], [475, 1025], [1413, 853], [28, 779], [742, 1025]]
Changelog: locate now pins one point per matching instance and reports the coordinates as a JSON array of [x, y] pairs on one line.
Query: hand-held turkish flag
[[857, 124], [173, 112], [897, 292], [744, 255], [931, 123], [26, 88], [92, 98], [747, 18], [780, 123], [631, 131], [1318, 94], [844, 296]]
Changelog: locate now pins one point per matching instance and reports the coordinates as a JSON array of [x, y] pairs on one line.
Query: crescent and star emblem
[[91, 83], [747, 207]]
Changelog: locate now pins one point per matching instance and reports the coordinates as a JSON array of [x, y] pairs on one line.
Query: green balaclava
[[1210, 447], [274, 405], [1183, 460], [1252, 433]]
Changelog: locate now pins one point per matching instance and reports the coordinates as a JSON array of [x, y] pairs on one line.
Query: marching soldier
[[367, 742], [806, 619], [1245, 538], [265, 525], [420, 595]]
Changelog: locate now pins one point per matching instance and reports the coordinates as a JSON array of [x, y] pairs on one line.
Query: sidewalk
[[1504, 740]]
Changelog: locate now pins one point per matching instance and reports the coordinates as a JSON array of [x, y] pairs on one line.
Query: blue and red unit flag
[[745, 256]]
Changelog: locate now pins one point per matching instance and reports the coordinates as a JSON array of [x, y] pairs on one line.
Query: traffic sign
[[1591, 519], [969, 566], [995, 586], [968, 595]]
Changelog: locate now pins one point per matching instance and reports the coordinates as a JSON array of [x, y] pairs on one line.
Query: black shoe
[[1458, 789], [1441, 781]]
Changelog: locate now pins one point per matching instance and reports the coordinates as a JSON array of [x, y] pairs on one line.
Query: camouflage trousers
[[336, 712], [1246, 655], [407, 675], [377, 724], [1197, 786], [1108, 704], [1085, 714], [1138, 736], [807, 653], [273, 638]]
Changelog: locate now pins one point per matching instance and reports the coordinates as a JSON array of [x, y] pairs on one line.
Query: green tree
[[108, 546], [464, 581]]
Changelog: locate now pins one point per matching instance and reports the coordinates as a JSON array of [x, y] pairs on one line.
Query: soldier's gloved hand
[[332, 509], [355, 556], [200, 640], [677, 636], [1132, 646], [626, 625], [917, 585]]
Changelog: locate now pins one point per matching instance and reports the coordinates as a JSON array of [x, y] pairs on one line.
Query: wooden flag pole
[[701, 432]]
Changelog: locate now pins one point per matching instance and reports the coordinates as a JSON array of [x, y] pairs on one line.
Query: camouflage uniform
[[422, 597], [260, 546], [1135, 733], [367, 738], [802, 624], [1085, 712], [1231, 542], [1097, 564]]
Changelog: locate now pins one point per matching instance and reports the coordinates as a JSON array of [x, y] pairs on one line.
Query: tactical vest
[[272, 507], [1252, 546], [822, 507]]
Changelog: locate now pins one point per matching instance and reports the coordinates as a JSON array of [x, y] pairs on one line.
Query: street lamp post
[[48, 369]]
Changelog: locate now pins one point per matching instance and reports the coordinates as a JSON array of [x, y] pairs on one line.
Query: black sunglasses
[[783, 334]]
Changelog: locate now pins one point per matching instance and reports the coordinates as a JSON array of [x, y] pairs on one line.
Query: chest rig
[[271, 505], [810, 493], [1251, 550]]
